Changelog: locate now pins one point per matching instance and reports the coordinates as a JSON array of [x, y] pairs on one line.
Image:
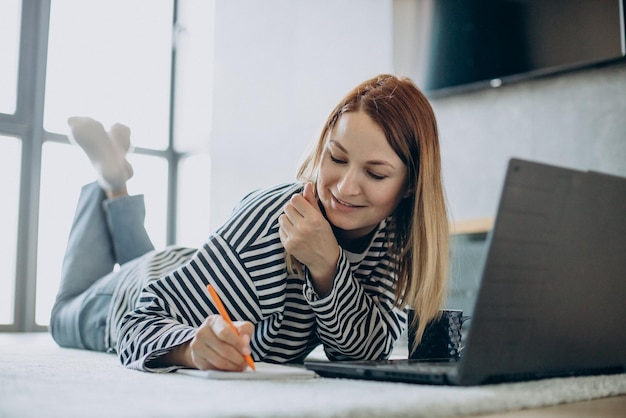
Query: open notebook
[[264, 371]]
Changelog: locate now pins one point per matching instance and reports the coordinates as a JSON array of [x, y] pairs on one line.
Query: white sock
[[120, 136], [106, 152]]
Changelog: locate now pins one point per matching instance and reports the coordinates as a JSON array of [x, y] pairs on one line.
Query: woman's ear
[[410, 191]]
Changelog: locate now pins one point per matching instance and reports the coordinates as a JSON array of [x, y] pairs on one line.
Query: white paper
[[264, 371]]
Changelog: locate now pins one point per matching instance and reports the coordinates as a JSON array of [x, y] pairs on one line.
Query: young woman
[[332, 259]]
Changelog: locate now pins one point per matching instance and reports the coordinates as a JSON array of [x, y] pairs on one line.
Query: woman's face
[[361, 179]]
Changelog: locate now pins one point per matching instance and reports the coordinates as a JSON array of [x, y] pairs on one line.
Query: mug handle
[[464, 319]]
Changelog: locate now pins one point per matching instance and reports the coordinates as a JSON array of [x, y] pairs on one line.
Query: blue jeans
[[104, 233]]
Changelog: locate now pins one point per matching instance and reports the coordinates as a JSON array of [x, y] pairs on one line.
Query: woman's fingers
[[303, 206], [246, 329], [303, 230], [218, 346], [310, 196], [292, 213], [300, 215], [207, 357]]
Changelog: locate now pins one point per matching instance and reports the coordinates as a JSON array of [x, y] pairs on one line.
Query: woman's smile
[[344, 205]]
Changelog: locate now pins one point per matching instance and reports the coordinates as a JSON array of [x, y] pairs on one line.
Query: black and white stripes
[[245, 261]]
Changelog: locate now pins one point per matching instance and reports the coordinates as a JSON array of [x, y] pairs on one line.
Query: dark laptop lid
[[552, 299]]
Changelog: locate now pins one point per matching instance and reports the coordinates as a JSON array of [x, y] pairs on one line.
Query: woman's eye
[[376, 176], [336, 160]]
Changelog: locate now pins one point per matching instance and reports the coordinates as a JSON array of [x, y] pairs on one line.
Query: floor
[[614, 407], [36, 375]]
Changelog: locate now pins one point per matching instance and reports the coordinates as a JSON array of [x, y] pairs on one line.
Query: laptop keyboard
[[436, 366]]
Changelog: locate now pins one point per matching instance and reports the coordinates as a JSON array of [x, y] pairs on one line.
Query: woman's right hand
[[215, 346]]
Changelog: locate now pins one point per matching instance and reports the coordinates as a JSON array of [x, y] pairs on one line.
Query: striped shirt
[[162, 299]]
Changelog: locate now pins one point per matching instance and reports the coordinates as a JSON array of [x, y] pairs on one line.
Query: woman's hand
[[215, 347], [307, 235]]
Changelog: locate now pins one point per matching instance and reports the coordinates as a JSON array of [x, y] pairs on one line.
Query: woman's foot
[[106, 151], [120, 136]]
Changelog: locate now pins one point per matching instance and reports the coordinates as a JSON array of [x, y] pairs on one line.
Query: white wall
[[282, 65], [280, 68], [574, 120]]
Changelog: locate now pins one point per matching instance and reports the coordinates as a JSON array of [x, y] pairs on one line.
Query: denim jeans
[[104, 233]]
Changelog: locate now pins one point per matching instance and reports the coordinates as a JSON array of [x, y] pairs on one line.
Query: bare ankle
[[114, 194]]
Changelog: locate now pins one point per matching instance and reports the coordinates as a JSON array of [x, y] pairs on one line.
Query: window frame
[[26, 124]]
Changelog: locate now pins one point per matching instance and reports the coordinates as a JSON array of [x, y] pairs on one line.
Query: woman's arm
[[171, 311], [357, 320], [175, 324], [308, 236]]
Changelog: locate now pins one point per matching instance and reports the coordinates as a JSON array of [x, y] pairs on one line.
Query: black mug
[[442, 337]]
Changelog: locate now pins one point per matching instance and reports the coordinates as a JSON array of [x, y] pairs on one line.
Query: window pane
[[10, 13], [65, 169], [10, 152], [110, 59], [150, 179], [193, 200], [194, 74]]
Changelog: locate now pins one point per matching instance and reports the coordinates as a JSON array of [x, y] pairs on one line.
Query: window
[[112, 60], [9, 48], [192, 130], [9, 182]]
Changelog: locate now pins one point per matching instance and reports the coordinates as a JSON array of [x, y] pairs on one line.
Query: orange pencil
[[222, 310]]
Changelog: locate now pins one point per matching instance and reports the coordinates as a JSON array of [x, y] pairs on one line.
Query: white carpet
[[38, 379]]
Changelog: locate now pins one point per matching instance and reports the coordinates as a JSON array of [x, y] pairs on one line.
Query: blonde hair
[[419, 246]]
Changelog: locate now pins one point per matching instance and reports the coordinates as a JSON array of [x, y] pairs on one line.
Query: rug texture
[[39, 379]]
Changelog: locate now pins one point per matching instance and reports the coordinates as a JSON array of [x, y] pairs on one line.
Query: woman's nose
[[349, 183]]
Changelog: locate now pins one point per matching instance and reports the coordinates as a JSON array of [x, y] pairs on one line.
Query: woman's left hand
[[307, 235]]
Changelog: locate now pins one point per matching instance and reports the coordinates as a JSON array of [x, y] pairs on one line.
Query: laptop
[[552, 297]]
